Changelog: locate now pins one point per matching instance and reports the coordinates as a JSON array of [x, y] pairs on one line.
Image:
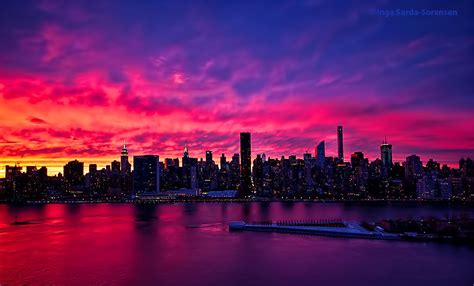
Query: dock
[[321, 228]]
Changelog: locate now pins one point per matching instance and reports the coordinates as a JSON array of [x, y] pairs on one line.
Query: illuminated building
[[124, 164]]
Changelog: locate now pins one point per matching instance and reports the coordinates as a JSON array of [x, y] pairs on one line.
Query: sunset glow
[[78, 79]]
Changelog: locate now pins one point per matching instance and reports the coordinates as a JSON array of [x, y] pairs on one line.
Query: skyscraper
[[124, 165], [208, 157], [386, 156], [258, 174], [321, 154], [245, 162], [115, 165], [12, 171], [413, 167], [74, 172], [223, 161], [186, 152], [146, 175], [340, 146], [360, 165], [92, 169]]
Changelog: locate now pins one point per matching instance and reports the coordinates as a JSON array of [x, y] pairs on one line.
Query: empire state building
[[124, 165]]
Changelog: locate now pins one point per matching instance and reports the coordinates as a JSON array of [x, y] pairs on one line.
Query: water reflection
[[189, 244]]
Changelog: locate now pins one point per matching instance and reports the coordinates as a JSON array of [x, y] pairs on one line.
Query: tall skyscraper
[[258, 174], [223, 161], [321, 154], [146, 175], [413, 167], [208, 157], [74, 172], [92, 169], [360, 166], [186, 151], [340, 146], [386, 156], [124, 165], [245, 164]]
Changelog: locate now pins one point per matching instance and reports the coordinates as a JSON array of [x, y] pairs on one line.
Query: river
[[189, 244]]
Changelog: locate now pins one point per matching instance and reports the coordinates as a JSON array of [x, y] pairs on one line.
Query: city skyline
[[227, 142], [310, 177], [77, 79], [245, 146]]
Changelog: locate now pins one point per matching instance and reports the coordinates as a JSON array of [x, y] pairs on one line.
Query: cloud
[[37, 120], [93, 75]]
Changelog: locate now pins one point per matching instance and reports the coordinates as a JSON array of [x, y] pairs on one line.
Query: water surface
[[189, 244]]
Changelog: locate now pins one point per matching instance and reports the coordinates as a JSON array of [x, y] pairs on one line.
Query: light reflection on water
[[189, 244]]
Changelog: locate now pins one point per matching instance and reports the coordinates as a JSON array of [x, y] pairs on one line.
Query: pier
[[337, 228]]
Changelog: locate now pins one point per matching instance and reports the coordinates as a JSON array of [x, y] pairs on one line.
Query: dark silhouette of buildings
[[309, 177], [146, 175], [209, 157], [74, 173], [413, 167]]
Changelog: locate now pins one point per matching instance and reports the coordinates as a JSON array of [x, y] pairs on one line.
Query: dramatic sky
[[79, 77]]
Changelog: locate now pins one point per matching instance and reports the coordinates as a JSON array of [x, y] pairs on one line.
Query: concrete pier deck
[[350, 229]]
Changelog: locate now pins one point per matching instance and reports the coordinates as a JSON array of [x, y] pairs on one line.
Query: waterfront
[[189, 244]]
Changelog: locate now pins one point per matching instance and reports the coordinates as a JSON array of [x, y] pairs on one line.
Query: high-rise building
[[168, 163], [245, 164], [386, 157], [189, 170], [258, 174], [321, 154], [92, 169], [208, 157], [236, 160], [124, 164], [31, 169], [12, 171], [340, 146], [413, 167], [467, 167], [146, 175], [115, 166], [74, 172], [360, 164], [223, 161], [186, 151]]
